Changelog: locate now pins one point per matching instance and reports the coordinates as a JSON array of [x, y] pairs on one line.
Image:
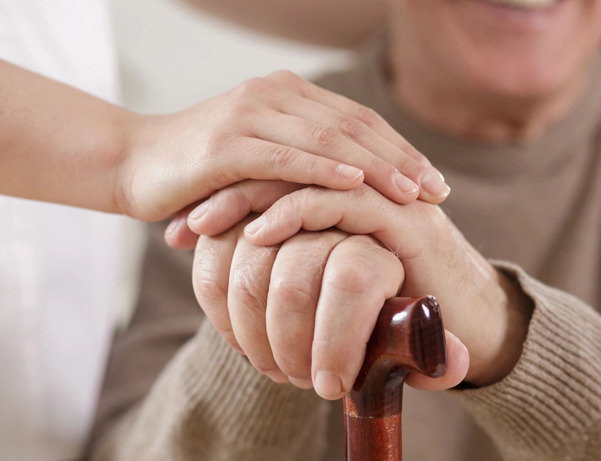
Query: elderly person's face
[[514, 48]]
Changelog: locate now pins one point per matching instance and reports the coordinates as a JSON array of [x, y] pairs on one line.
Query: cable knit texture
[[549, 407], [210, 404]]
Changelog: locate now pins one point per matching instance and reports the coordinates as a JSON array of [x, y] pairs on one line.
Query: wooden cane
[[409, 336]]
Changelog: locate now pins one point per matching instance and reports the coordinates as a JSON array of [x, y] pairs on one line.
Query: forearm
[[549, 407], [339, 23], [59, 144]]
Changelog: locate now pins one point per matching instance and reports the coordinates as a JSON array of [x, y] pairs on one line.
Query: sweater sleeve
[[210, 404], [549, 407], [177, 392]]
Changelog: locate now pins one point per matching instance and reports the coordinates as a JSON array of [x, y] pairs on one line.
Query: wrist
[[127, 160], [504, 332]]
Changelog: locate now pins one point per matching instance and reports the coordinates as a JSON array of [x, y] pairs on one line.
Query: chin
[[524, 52], [520, 75]]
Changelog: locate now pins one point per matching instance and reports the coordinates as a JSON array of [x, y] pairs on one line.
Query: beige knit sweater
[[176, 392]]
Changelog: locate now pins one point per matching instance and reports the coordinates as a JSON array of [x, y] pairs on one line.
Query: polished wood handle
[[408, 336]]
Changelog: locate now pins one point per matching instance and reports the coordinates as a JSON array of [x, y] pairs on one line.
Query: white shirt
[[59, 266]]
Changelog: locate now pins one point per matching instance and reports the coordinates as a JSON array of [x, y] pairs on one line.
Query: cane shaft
[[408, 336], [374, 439]]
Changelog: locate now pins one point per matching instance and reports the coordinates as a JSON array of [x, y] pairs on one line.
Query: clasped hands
[[298, 289]]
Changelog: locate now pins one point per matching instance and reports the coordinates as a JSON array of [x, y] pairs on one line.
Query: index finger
[[348, 107]]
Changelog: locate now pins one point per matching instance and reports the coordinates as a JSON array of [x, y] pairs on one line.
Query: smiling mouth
[[524, 4]]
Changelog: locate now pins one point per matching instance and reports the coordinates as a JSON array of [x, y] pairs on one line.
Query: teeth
[[525, 3]]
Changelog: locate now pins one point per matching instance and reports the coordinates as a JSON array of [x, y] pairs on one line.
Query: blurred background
[[172, 57]]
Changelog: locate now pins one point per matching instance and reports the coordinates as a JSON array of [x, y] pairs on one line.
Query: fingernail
[[172, 226], [405, 185], [199, 211], [439, 174], [254, 226], [434, 186], [328, 384], [349, 172], [302, 383]]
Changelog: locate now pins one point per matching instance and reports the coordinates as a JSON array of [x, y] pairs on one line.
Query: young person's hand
[[276, 128], [284, 306], [61, 145]]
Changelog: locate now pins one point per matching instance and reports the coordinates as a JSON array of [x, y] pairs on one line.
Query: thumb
[[178, 235], [458, 361]]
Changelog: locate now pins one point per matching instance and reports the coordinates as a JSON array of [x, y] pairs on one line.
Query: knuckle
[[377, 252], [253, 86], [352, 128], [354, 277], [241, 109], [286, 209], [282, 158], [369, 116], [293, 204], [206, 287], [292, 297], [312, 165], [286, 77], [298, 198], [325, 136], [246, 285], [218, 142]]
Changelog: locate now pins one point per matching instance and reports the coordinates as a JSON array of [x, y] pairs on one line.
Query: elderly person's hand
[[319, 290], [276, 128], [481, 306]]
